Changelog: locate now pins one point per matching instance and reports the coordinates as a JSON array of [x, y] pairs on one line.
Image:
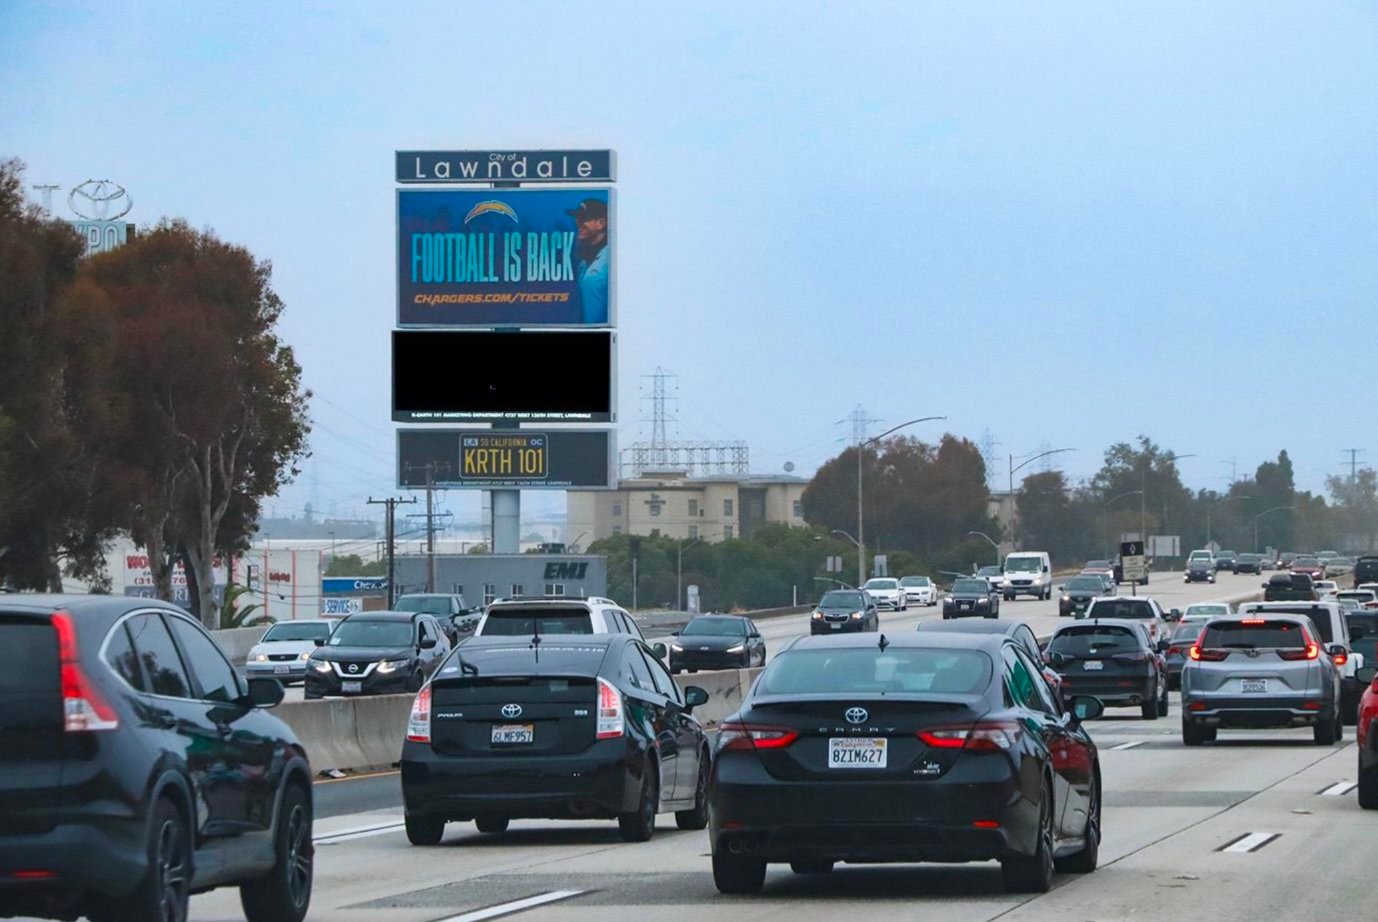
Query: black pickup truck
[[1289, 587]]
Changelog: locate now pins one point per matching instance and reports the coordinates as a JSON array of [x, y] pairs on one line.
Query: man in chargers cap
[[591, 251]]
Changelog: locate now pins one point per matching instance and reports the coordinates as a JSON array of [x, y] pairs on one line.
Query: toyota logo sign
[[856, 715], [511, 711]]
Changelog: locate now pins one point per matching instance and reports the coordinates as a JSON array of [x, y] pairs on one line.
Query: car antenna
[[536, 637], [883, 643]]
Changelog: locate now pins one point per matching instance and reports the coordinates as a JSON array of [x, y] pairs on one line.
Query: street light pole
[[990, 542], [1261, 515], [1022, 464], [1105, 517], [860, 539], [1143, 496], [679, 567]]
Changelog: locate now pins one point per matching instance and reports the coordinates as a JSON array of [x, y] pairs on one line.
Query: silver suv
[[1332, 633], [1260, 672], [556, 615]]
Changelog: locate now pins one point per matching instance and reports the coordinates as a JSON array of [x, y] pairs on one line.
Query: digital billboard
[[505, 257], [527, 376], [486, 459]]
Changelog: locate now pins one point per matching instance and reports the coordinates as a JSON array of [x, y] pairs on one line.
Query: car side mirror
[[1163, 646], [693, 697], [1336, 649], [660, 651], [754, 635], [265, 692], [320, 641], [674, 633], [428, 643], [1085, 707], [1061, 588]]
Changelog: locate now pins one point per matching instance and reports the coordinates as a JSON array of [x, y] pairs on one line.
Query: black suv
[[377, 653], [1289, 587], [1365, 571], [554, 727], [136, 767]]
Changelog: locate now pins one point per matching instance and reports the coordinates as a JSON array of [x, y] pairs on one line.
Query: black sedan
[[1248, 563], [844, 610], [1199, 570], [1225, 560], [970, 597], [928, 747], [717, 642], [1078, 592], [588, 727], [376, 653]]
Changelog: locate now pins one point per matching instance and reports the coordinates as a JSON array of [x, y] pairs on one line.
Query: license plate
[[857, 753], [281, 670], [835, 627], [1254, 686], [509, 734], [351, 688], [1093, 665]]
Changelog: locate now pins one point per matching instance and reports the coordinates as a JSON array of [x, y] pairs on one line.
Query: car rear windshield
[[1358, 595], [869, 670], [968, 586], [427, 604], [1089, 582], [848, 600], [1122, 608], [1186, 632], [352, 633], [525, 621], [290, 631], [1208, 611], [1254, 634], [28, 658], [1094, 640], [716, 627], [1365, 621], [1319, 616]]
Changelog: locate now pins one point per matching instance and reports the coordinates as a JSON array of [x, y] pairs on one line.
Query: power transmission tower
[[988, 455], [391, 502], [1353, 461], [861, 424], [664, 388]]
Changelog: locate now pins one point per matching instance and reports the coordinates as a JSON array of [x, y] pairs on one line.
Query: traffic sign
[[1133, 563]]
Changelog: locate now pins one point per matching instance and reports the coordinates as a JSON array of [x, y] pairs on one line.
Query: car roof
[[1107, 599], [718, 616], [549, 601], [516, 655], [1136, 627], [1002, 626], [387, 615], [911, 640], [314, 620]]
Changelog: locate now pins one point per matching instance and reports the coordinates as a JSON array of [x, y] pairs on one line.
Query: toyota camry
[[928, 747]]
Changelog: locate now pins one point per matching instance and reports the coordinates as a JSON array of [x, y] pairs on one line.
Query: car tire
[[1149, 709], [734, 874], [1327, 733], [309, 695], [424, 830], [1192, 734], [812, 866], [1368, 787], [169, 872], [697, 818], [490, 824], [1088, 858], [675, 670], [1033, 873], [1165, 702], [284, 893], [640, 824]]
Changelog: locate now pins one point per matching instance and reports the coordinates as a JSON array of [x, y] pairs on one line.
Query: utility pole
[[391, 502], [1353, 461], [431, 468]]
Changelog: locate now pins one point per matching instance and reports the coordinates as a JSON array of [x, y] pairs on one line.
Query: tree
[[354, 565], [215, 412], [1356, 508], [1166, 503], [1053, 518]]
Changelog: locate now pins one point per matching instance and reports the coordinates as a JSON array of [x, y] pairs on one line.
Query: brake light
[[1251, 621], [1176, 649], [33, 875], [988, 736], [610, 724], [83, 707], [1207, 656], [419, 723], [734, 735], [1340, 658]]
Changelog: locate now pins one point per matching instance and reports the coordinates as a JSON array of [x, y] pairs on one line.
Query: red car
[[1311, 566], [1368, 747]]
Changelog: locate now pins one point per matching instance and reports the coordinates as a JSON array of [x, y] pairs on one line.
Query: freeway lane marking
[[507, 909], [361, 832], [1249, 842], [1339, 789], [1123, 746]]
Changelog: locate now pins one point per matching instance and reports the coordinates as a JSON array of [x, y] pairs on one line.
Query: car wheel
[[284, 893], [737, 875], [491, 824], [1192, 734], [811, 866], [640, 825], [697, 818], [1149, 709], [1086, 860], [1033, 873], [1164, 703], [675, 670], [424, 830], [1326, 734], [1368, 786], [310, 695], [164, 892]]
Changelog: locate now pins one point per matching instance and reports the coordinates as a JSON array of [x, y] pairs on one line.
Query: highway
[[1189, 834]]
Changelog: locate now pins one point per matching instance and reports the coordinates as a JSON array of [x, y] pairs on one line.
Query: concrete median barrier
[[237, 642], [381, 726], [726, 689], [327, 729]]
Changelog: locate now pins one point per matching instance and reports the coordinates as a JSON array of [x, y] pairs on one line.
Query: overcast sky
[[1064, 223]]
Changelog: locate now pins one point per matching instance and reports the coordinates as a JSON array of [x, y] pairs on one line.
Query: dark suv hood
[[355, 654]]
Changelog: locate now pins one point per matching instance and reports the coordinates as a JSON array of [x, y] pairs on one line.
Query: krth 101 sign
[[505, 455]]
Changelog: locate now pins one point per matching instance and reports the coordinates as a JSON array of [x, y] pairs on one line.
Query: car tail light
[[987, 736], [1137, 657], [1340, 658], [82, 705], [1176, 649], [1207, 656], [610, 724], [1311, 706], [736, 735], [1251, 621], [419, 723]]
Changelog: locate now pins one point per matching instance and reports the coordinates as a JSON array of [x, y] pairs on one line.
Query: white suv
[[524, 617], [1134, 608], [887, 593], [1330, 622], [919, 590]]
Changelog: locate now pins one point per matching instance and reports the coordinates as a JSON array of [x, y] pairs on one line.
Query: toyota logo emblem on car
[[856, 715], [511, 711]]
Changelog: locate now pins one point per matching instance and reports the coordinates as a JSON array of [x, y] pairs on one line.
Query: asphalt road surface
[[1258, 825]]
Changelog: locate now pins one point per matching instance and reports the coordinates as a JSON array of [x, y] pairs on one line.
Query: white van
[[1027, 573]]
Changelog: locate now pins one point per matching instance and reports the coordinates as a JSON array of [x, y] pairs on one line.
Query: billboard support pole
[[506, 504]]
